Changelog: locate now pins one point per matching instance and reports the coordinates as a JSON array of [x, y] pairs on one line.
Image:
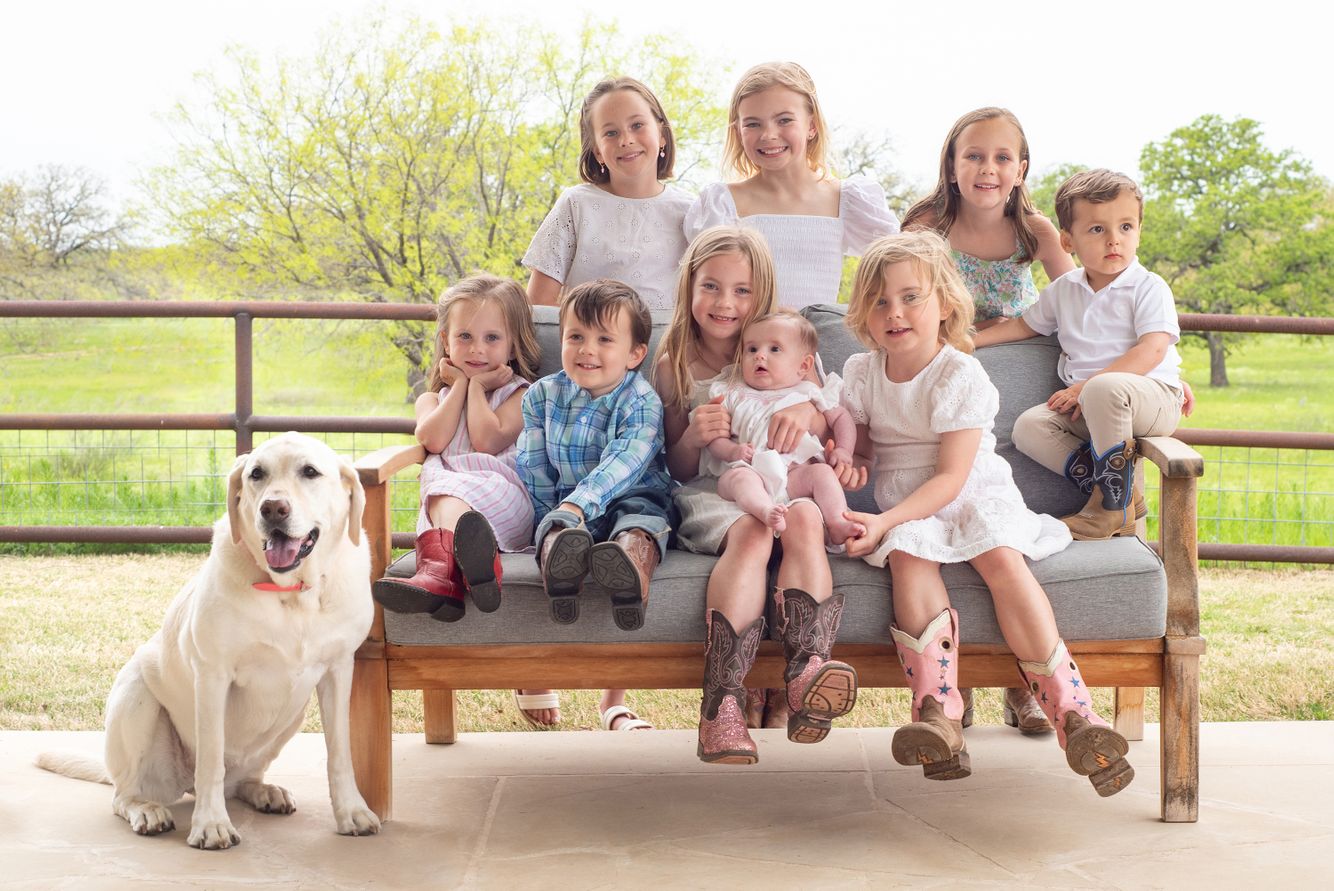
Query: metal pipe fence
[[202, 494]]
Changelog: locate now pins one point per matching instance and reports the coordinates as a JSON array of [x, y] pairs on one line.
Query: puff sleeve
[[853, 396], [713, 207], [963, 397], [866, 215], [552, 250]]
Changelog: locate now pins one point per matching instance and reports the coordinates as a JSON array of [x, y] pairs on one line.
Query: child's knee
[[1032, 427], [804, 519]]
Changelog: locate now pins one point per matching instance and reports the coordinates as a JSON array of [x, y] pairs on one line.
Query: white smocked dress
[[488, 483], [590, 234], [906, 421], [808, 251], [751, 412]]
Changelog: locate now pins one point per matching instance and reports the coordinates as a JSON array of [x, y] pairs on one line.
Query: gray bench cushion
[[1113, 590]]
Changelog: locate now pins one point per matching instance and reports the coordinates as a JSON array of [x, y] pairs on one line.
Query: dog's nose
[[275, 510]]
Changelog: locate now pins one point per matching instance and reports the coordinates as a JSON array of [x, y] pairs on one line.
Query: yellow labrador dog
[[277, 611]]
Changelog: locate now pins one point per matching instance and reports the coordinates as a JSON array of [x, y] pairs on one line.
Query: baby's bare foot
[[776, 518], [840, 530]]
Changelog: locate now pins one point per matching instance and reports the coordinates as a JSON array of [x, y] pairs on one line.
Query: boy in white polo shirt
[[1117, 326]]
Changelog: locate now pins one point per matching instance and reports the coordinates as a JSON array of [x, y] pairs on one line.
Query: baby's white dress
[[906, 421], [751, 411], [808, 251], [590, 234]]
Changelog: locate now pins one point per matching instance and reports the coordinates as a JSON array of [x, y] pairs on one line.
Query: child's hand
[[496, 377], [449, 373], [1067, 401], [876, 527], [788, 426], [1188, 402], [849, 475], [707, 423]]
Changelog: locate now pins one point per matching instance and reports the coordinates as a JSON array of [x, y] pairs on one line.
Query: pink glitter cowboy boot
[[935, 737], [1092, 748], [723, 738], [818, 690]]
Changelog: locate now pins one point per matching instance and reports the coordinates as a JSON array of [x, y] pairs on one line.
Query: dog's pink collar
[[281, 589]]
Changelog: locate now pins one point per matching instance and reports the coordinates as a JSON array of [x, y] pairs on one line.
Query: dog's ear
[[234, 497], [357, 497]]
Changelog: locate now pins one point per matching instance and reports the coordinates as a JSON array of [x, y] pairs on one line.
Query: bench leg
[[371, 735], [438, 707], [1179, 732], [1130, 712]]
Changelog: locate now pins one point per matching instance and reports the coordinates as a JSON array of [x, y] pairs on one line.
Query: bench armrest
[[380, 465], [1178, 535], [1173, 457]]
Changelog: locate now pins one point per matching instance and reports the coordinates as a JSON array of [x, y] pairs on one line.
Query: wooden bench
[[1131, 619]]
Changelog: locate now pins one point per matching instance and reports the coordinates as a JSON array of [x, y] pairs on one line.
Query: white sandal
[[526, 702], [634, 722]]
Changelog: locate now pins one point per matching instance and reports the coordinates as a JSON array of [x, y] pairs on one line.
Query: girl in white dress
[[777, 141], [726, 280], [623, 222], [473, 503], [928, 407]]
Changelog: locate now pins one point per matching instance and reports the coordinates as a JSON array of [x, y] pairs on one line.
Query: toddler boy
[[591, 456], [1117, 326]]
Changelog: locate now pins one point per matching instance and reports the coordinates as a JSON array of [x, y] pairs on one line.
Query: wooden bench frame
[[1170, 663]]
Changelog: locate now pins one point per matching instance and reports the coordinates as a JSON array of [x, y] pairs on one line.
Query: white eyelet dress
[[906, 421]]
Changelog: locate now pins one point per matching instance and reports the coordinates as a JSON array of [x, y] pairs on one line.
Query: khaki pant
[[1115, 407]]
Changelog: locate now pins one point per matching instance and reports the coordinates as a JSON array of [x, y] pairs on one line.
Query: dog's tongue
[[281, 551]]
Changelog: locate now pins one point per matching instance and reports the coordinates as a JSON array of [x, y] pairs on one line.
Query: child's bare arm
[[845, 433], [724, 449], [1004, 332], [493, 431], [438, 418]]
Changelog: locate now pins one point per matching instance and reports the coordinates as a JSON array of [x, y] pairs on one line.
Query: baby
[[777, 354]]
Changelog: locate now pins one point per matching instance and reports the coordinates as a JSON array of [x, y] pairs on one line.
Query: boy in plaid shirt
[[591, 456]]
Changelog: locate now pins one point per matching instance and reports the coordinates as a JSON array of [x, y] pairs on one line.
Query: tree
[[396, 160], [1235, 227], [54, 214]]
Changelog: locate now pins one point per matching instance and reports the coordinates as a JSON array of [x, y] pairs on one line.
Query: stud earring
[[662, 151], [603, 168]]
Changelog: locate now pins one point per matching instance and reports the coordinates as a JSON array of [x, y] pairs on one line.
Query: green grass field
[[349, 368]]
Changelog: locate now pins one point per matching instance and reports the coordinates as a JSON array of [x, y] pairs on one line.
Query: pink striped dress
[[487, 482]]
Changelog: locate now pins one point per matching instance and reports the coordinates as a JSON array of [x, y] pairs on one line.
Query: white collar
[[1131, 276]]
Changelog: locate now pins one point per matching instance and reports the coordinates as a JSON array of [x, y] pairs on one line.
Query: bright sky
[[87, 83]]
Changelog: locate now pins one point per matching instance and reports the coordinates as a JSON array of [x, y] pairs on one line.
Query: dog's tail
[[80, 767]]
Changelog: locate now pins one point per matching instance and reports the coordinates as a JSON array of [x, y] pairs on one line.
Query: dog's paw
[[149, 818], [213, 835], [267, 799], [356, 820]]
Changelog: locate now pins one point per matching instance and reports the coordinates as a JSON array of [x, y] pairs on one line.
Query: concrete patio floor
[[593, 810]]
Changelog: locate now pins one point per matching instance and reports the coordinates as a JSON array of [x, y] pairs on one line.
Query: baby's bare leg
[[818, 481], [743, 486]]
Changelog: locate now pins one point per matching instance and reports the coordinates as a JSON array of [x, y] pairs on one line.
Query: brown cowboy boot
[[818, 690], [432, 588], [1023, 711], [723, 738], [1108, 512], [624, 567], [564, 562]]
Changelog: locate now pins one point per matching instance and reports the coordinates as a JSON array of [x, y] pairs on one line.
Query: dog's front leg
[[351, 814], [210, 827]]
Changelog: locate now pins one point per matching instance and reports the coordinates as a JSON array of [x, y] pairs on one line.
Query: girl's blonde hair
[[476, 290], [682, 336], [942, 205], [930, 255], [590, 171], [775, 74]]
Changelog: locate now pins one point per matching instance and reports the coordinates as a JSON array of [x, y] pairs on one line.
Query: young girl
[[622, 223], [726, 280], [981, 205], [948, 497], [777, 139], [777, 354], [472, 501]]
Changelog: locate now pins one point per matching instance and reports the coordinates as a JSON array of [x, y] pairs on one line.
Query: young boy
[[591, 455], [1117, 326]]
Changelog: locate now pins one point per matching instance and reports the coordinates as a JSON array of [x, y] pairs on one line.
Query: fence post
[[245, 381]]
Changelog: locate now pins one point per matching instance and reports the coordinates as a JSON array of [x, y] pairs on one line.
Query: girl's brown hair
[[590, 171], [682, 336], [476, 290], [940, 209], [929, 253], [775, 74]]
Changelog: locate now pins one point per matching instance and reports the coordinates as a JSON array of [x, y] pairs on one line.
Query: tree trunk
[[1217, 359]]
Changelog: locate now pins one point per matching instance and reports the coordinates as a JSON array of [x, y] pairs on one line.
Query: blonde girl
[[727, 280], [982, 207], [926, 409], [472, 501], [622, 222], [777, 146]]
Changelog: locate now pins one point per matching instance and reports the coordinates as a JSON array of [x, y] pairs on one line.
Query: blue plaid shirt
[[590, 451]]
